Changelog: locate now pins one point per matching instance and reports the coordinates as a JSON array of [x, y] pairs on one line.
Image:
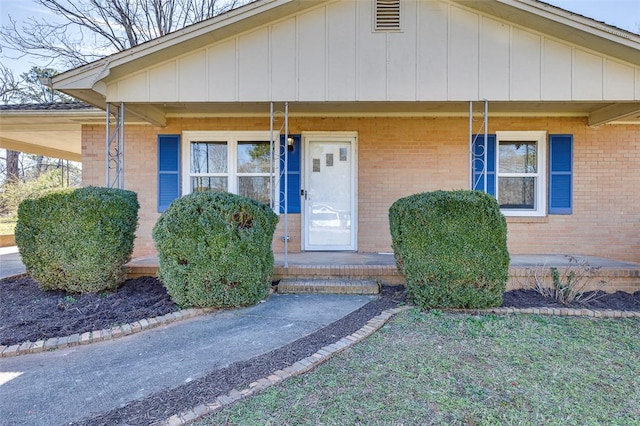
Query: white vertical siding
[[526, 63], [283, 60], [494, 60], [193, 68], [341, 35], [557, 63], [443, 52], [614, 86], [401, 74], [433, 52], [587, 76], [312, 53], [464, 57], [253, 66], [163, 82], [132, 88], [223, 72], [371, 56]]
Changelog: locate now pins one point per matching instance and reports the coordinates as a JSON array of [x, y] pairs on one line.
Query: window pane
[[517, 157], [253, 157], [206, 183], [256, 187], [208, 157], [517, 193]]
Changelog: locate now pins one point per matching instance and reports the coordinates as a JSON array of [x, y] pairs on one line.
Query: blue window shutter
[[293, 175], [478, 160], [168, 170], [560, 174]]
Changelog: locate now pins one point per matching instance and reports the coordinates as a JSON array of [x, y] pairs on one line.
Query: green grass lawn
[[7, 225], [457, 369]]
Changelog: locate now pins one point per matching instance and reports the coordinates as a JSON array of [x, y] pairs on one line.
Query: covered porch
[[343, 267]]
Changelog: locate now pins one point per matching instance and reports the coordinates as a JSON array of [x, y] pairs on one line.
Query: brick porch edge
[[324, 354]]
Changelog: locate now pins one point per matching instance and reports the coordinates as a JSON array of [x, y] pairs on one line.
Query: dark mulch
[[27, 313], [619, 301], [30, 314]]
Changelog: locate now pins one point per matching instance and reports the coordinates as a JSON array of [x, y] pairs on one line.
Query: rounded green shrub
[[214, 249], [78, 240], [452, 248]]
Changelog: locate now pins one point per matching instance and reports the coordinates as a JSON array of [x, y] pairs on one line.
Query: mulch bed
[[28, 313], [618, 301]]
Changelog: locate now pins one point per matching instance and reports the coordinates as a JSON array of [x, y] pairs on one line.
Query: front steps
[[328, 286]]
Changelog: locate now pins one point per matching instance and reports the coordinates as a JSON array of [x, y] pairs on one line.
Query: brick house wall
[[399, 156]]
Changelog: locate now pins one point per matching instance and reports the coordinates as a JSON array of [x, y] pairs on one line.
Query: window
[[518, 163], [237, 162], [520, 171]]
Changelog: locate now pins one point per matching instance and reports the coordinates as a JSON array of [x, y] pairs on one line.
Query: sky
[[623, 14]]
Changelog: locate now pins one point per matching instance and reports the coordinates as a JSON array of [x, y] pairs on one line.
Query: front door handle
[[303, 193]]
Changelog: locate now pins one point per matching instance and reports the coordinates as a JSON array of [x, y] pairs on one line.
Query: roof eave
[[191, 37], [564, 25]]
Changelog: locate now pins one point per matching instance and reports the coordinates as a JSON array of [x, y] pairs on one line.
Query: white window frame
[[540, 137], [231, 138]]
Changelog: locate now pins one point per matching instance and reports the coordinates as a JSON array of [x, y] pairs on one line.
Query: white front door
[[329, 193]]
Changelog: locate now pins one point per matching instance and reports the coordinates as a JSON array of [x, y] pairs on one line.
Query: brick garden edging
[[100, 335], [565, 312]]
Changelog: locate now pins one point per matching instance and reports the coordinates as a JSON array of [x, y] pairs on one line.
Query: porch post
[[471, 160], [286, 185], [485, 151], [271, 168], [486, 141], [114, 155]]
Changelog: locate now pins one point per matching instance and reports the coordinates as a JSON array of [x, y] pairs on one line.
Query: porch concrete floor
[[387, 259]]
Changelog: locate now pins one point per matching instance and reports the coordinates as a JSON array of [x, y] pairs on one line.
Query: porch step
[[331, 286]]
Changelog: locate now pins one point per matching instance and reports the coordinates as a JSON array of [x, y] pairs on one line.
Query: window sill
[[527, 219]]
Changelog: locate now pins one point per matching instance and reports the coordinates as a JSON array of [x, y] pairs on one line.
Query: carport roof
[[51, 129]]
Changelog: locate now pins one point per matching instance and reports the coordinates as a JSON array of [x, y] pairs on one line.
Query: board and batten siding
[[331, 53]]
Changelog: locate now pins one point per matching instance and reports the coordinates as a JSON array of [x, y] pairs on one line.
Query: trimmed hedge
[[452, 248], [78, 240], [214, 250]]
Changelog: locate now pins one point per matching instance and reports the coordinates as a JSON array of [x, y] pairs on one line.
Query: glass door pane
[[330, 196]]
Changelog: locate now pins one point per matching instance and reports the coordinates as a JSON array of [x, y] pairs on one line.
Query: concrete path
[[10, 262], [66, 385]]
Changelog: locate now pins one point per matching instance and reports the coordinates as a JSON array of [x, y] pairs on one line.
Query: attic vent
[[386, 15]]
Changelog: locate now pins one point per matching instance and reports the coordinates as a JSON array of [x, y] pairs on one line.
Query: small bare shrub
[[569, 284]]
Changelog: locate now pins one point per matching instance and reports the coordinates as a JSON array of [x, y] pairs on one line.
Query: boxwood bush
[[214, 249], [78, 240], [452, 248]]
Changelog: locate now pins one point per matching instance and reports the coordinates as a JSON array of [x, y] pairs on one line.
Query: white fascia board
[[562, 24], [577, 21]]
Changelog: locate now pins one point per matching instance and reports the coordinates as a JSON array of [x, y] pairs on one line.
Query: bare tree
[[10, 87], [87, 30], [10, 91], [34, 92]]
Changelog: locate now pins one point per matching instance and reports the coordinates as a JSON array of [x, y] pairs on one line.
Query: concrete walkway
[[65, 385], [10, 262]]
